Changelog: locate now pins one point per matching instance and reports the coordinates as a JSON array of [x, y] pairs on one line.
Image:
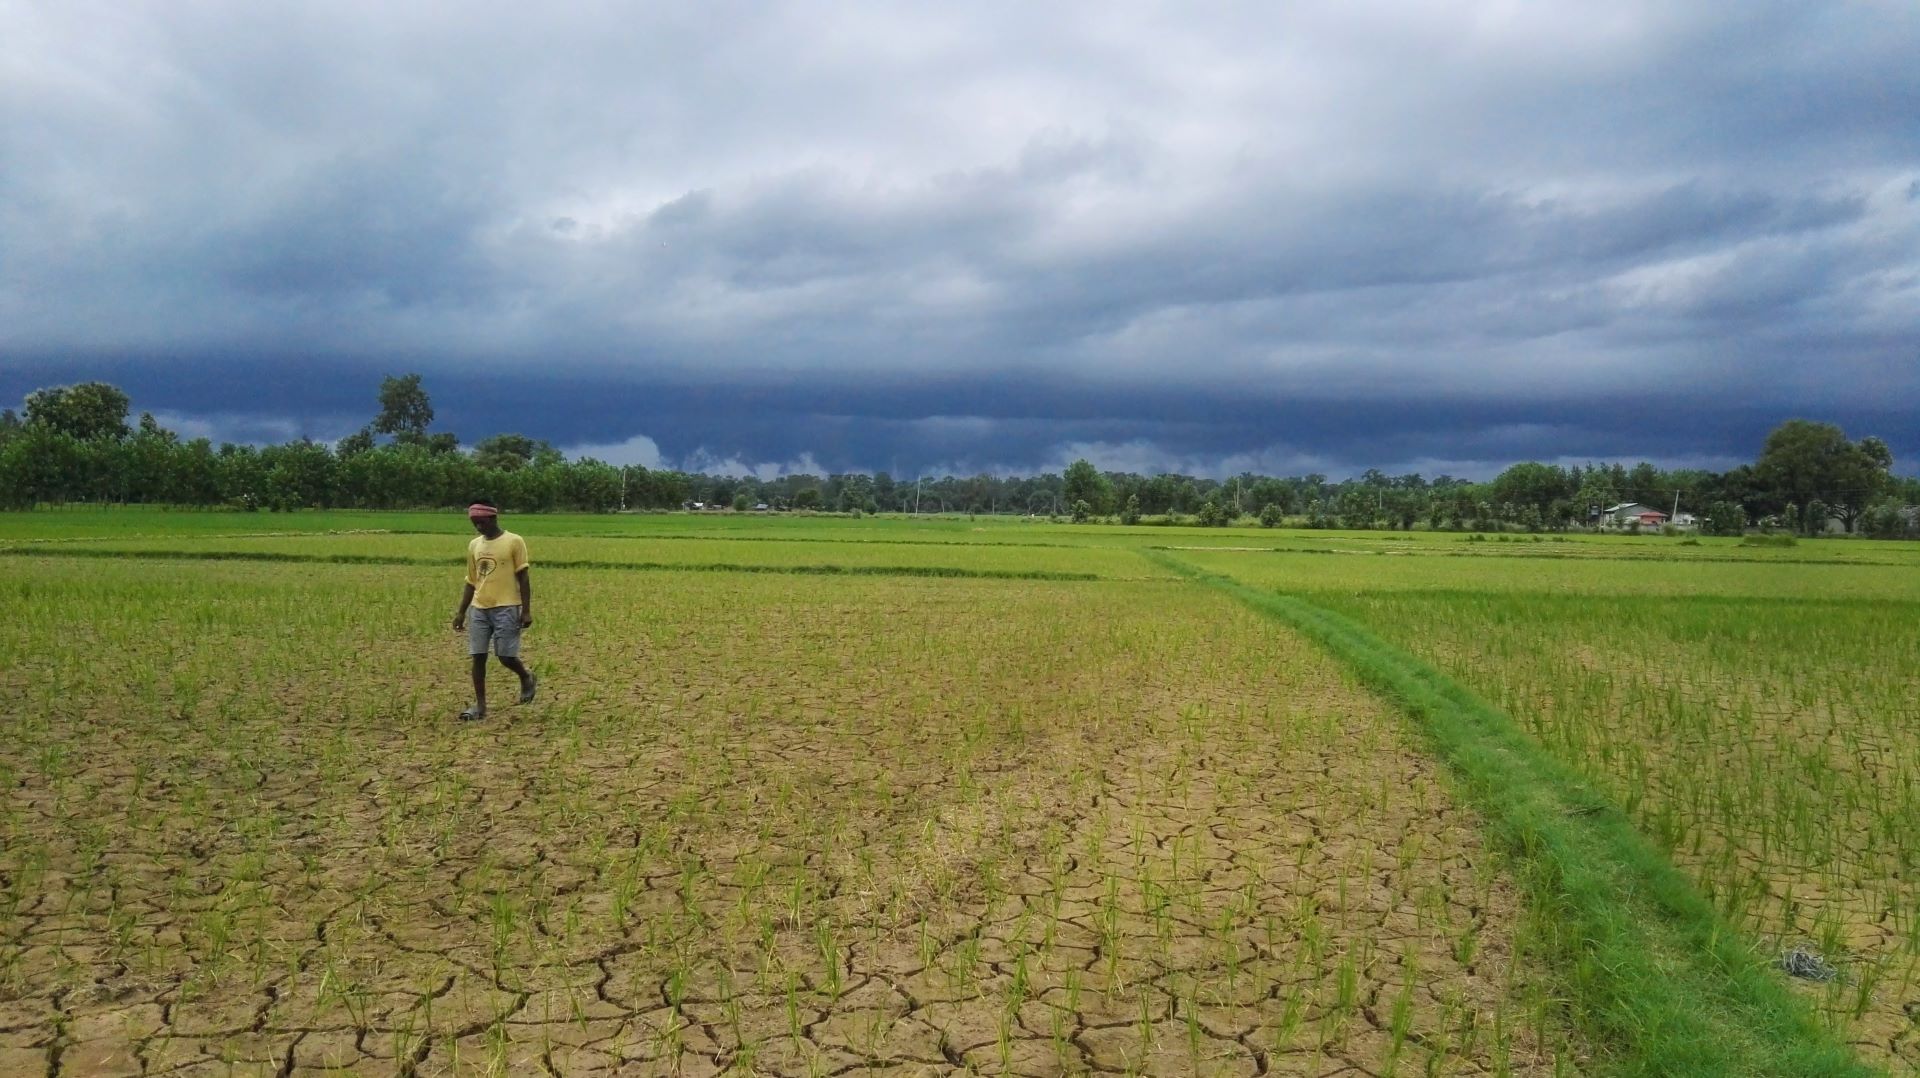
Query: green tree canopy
[[1533, 485], [89, 411], [509, 452], [404, 407], [1805, 464], [358, 442], [1084, 483]]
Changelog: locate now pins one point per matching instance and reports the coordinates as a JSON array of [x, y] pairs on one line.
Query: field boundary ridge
[[633, 566], [1662, 558]]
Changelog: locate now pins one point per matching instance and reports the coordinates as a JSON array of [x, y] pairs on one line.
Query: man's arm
[[525, 577], [466, 597], [460, 615]]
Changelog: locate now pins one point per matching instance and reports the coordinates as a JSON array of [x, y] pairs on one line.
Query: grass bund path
[[1660, 982], [811, 795], [344, 558]]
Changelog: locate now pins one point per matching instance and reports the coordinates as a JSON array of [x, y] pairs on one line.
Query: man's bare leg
[[479, 709], [527, 683]]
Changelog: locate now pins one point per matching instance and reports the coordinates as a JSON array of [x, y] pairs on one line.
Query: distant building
[[1627, 514]]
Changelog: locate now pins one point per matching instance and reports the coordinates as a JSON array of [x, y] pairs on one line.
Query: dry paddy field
[[944, 796], [758, 823]]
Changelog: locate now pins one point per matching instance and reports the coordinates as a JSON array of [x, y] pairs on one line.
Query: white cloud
[[703, 461], [639, 449]]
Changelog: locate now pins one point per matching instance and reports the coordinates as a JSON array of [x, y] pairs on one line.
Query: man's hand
[[460, 621], [526, 617]]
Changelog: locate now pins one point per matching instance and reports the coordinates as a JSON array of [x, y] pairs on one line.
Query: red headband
[[476, 511]]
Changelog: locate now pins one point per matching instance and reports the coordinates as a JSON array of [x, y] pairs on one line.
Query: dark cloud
[[963, 425], [1315, 238]]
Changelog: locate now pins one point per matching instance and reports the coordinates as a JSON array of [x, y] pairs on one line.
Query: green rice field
[[818, 795]]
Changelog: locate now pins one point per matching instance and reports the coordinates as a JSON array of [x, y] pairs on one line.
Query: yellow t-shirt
[[491, 565]]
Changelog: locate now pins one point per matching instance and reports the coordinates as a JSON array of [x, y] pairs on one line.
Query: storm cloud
[[1286, 238]]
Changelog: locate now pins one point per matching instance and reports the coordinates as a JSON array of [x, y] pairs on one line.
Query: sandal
[[527, 691], [472, 714]]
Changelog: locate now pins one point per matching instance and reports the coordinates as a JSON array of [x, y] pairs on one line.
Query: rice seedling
[[766, 822]]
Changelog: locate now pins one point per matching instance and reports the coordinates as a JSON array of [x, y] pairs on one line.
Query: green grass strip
[[1654, 978], [637, 566], [1663, 558]]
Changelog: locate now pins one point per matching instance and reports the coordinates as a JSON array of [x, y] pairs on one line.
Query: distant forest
[[76, 444]]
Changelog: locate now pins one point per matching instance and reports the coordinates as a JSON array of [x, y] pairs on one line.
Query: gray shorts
[[497, 624]]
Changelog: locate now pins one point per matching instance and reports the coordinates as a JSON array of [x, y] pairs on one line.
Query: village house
[[1627, 514]]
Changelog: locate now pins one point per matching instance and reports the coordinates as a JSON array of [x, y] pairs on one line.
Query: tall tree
[[1644, 483], [1535, 486], [89, 411], [404, 407], [1808, 464], [1084, 483], [1594, 495], [506, 452]]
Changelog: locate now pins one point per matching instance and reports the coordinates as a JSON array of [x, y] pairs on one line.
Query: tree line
[[76, 444]]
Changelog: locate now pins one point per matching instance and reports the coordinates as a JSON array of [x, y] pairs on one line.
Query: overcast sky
[[1199, 237]]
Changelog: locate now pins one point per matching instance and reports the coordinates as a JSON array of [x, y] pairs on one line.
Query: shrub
[[1887, 520], [1725, 518]]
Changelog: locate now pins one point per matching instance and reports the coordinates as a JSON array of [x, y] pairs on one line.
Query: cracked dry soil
[[755, 825]]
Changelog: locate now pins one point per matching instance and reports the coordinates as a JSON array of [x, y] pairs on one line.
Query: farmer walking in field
[[499, 592]]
